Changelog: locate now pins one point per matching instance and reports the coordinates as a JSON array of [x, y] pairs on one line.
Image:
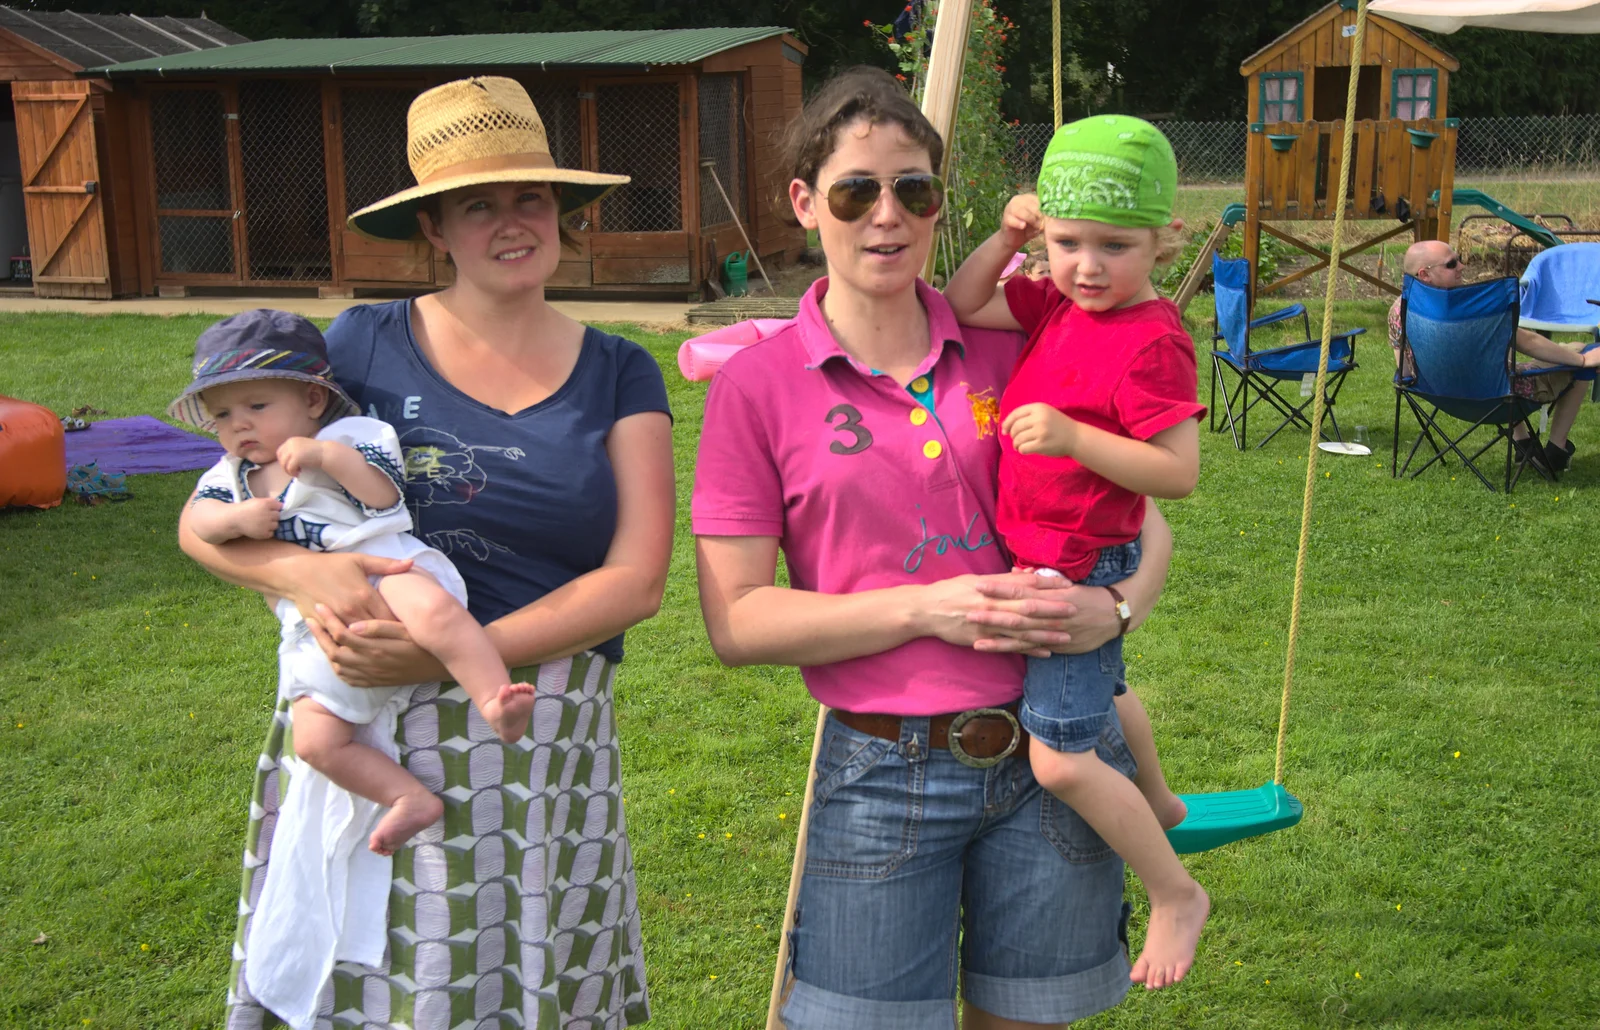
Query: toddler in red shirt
[[1099, 414]]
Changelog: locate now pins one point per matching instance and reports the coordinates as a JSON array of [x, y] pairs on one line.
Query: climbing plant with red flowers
[[979, 180]]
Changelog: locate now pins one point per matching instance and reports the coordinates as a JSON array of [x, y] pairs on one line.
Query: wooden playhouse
[[1403, 155], [249, 158]]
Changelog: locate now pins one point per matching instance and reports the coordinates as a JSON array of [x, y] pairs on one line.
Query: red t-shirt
[[1131, 372]]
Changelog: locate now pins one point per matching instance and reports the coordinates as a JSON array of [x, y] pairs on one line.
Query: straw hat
[[469, 132]]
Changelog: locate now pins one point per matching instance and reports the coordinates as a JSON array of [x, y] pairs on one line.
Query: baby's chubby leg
[[1109, 802], [324, 741], [1168, 807], [442, 627]]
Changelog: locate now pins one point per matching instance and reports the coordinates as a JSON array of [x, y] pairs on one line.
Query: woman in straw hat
[[538, 457]]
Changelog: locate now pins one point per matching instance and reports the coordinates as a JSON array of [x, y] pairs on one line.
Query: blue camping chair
[[1261, 372], [1561, 291], [1457, 359]]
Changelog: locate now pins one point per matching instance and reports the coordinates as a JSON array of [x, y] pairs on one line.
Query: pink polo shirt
[[865, 488]]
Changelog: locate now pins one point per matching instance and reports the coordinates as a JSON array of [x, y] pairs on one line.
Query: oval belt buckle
[[963, 718]]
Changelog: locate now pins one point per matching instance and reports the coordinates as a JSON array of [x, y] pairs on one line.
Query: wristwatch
[[1124, 612]]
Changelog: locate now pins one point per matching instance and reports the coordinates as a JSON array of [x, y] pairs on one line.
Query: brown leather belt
[[980, 737]]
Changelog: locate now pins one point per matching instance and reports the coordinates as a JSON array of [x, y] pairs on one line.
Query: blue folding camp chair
[[1260, 372], [1556, 292], [1457, 360]]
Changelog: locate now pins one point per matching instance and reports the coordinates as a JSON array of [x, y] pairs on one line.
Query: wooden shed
[[65, 159], [1403, 155], [248, 159]]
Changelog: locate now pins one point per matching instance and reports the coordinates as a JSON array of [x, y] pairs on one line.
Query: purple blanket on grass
[[141, 444]]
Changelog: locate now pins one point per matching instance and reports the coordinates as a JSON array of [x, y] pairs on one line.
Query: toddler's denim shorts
[[1066, 698], [922, 873]]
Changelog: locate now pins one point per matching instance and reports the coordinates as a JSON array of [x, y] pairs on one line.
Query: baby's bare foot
[[1170, 810], [1170, 942], [508, 712], [409, 816]]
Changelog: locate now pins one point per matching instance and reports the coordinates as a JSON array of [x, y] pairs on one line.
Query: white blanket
[[326, 898]]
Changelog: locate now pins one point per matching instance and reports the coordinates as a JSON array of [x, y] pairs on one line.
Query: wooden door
[[643, 129], [61, 189], [194, 174]]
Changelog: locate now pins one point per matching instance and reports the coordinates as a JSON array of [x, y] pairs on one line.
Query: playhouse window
[[1280, 96], [1415, 93]]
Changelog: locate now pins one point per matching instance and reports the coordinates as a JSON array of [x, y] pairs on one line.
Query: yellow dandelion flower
[[19, 725], [144, 947], [785, 815], [713, 976], [728, 835], [1457, 755], [1358, 976], [1397, 908], [191, 715], [672, 790], [702, 836], [94, 577], [1237, 962], [1267, 982]]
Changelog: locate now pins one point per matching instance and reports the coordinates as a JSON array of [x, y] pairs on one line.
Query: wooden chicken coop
[[1403, 155], [249, 158]]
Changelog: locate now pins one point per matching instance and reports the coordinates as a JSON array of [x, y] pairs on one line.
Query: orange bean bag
[[33, 455]]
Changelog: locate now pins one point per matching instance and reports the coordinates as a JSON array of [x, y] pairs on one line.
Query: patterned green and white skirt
[[520, 910]]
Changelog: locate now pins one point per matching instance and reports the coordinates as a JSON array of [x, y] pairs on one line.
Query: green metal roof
[[609, 47]]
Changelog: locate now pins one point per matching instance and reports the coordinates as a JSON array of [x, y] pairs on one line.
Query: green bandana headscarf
[[1109, 168]]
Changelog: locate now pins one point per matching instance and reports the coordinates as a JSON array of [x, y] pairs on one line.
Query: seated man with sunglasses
[[1436, 263]]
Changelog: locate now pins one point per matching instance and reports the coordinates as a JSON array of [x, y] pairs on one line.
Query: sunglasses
[[1452, 264], [921, 195]]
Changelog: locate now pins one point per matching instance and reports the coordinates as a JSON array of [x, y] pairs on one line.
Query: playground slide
[[1481, 199]]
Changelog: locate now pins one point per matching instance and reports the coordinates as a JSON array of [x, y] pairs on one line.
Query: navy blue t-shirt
[[522, 504]]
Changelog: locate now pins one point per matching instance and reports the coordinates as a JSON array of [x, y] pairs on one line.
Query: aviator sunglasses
[[852, 197]]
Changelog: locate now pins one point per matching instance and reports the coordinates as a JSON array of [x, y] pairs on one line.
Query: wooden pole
[[774, 1021], [942, 93], [711, 167]]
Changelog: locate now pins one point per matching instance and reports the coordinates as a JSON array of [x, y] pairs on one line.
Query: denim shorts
[[922, 873], [1066, 698]]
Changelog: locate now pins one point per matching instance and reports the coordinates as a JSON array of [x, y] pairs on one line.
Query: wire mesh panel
[[637, 126], [722, 141], [558, 109], [285, 184], [189, 142], [372, 124]]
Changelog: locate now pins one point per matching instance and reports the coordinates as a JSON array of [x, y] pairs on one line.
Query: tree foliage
[[1142, 56]]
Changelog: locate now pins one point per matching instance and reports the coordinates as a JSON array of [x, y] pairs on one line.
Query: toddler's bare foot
[[1170, 810], [1170, 942], [508, 711], [409, 816]]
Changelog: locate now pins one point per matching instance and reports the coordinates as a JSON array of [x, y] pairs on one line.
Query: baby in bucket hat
[[1099, 414], [303, 466]]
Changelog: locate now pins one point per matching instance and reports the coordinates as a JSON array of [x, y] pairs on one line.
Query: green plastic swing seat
[[1226, 816]]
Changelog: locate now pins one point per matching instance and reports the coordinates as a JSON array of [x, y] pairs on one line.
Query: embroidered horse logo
[[985, 411]]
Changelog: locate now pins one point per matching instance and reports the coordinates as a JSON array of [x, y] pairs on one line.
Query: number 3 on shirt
[[862, 436]]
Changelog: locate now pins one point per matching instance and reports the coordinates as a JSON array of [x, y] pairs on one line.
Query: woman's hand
[[339, 582], [1021, 598], [1009, 613], [373, 652]]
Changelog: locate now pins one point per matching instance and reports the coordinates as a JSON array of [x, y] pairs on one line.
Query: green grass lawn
[[1444, 738]]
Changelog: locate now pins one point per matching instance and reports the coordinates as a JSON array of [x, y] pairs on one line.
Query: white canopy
[[1575, 16]]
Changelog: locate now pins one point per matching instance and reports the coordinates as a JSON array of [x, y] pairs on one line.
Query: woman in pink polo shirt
[[862, 441]]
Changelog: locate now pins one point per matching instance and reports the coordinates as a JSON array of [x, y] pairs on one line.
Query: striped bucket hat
[[259, 344]]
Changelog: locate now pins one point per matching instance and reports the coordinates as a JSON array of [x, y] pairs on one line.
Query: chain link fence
[[1558, 146], [189, 141], [285, 180], [722, 142], [638, 135], [372, 127]]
